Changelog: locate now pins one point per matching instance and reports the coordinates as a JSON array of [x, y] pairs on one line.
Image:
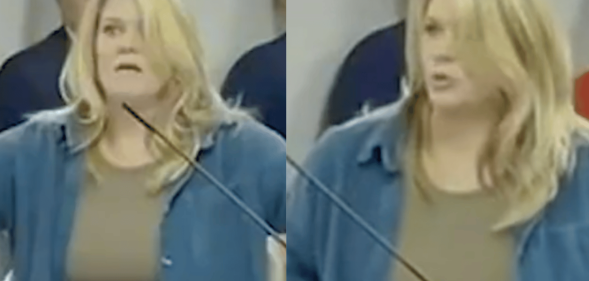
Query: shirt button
[[166, 261]]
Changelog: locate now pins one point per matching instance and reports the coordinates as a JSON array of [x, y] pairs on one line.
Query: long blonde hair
[[176, 51], [532, 145]]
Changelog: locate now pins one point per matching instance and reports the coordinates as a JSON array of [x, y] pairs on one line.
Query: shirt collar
[[385, 142], [73, 131]]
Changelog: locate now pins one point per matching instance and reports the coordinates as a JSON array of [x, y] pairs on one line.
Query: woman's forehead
[[125, 10], [443, 10]]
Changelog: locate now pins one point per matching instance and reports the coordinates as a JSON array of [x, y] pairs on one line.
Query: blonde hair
[[532, 145], [177, 52]]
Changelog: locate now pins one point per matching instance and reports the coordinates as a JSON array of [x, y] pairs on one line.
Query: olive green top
[[116, 229], [449, 237]]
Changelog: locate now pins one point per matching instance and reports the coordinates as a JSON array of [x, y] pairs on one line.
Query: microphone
[[196, 166], [343, 206]]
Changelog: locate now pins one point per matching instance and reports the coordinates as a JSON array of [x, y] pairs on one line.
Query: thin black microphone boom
[[195, 165], [343, 206]]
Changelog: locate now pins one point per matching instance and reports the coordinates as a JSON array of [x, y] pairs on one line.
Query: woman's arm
[[274, 183], [307, 217], [274, 174], [300, 261], [4, 256], [8, 139]]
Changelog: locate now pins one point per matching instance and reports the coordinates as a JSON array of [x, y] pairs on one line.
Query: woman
[[478, 175], [86, 193]]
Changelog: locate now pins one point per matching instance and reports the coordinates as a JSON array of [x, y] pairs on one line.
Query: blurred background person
[[29, 79], [581, 35], [110, 202], [258, 79], [371, 74], [582, 93], [478, 174]]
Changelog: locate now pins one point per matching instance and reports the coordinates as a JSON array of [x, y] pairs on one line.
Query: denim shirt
[[204, 236], [359, 161]]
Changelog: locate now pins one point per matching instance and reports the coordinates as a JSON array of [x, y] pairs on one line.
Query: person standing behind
[[370, 75], [258, 80], [29, 79]]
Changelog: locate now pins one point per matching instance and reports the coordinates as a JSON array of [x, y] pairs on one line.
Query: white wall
[[11, 26], [322, 33], [43, 18], [580, 33], [573, 15], [230, 27]]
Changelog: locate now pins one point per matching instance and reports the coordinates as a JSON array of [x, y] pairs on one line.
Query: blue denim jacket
[[203, 235], [358, 161]]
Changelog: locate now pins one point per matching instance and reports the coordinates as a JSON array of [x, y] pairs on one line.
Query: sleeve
[[6, 198], [301, 251], [13, 95], [6, 180], [307, 216], [4, 256], [275, 182]]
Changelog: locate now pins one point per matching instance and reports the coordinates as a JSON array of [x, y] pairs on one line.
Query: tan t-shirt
[[116, 229], [449, 238]]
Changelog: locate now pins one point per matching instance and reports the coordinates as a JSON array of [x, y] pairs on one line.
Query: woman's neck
[[124, 140], [459, 134], [452, 150]]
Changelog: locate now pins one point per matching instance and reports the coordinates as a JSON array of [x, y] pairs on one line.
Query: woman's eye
[[432, 28], [110, 29]]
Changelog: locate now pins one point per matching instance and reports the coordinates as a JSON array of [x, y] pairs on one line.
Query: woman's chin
[[446, 100], [134, 99], [131, 94]]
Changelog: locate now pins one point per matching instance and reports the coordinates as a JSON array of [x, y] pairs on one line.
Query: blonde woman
[[480, 174], [86, 193]]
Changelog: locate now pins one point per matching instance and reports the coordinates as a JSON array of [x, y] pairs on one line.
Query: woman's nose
[[129, 42], [442, 58], [126, 49]]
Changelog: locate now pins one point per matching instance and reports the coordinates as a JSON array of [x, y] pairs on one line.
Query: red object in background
[[582, 95]]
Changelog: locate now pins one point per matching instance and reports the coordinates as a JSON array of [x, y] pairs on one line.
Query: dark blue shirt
[[370, 75], [258, 79], [29, 80]]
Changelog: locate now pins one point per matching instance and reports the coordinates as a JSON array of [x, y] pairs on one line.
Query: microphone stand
[[364, 225], [196, 166]]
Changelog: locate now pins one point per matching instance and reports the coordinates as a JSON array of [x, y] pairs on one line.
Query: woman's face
[[448, 85], [124, 70]]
